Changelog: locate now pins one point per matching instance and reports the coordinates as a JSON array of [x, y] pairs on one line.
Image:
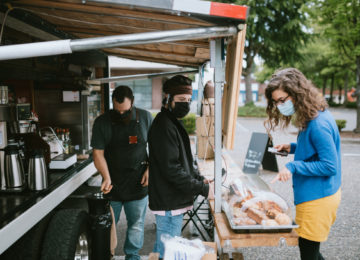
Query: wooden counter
[[225, 232]]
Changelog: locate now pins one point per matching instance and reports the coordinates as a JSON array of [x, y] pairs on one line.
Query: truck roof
[[75, 19]]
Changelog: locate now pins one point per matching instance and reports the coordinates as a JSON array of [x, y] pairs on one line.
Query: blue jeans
[[135, 215], [167, 224]]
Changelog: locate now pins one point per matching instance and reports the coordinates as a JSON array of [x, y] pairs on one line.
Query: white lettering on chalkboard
[[254, 155]]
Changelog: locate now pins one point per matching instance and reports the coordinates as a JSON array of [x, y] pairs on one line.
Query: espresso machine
[[5, 118], [12, 157]]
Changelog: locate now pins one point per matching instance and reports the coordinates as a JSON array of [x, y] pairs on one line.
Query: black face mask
[[181, 109], [116, 116], [126, 114]]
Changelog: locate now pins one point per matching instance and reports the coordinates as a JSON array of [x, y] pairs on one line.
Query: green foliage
[[263, 73], [189, 123], [342, 22], [340, 124], [351, 105], [342, 28], [274, 31], [250, 110]]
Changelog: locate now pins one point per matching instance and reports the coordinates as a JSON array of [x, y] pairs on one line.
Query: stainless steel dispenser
[[37, 175], [14, 170]]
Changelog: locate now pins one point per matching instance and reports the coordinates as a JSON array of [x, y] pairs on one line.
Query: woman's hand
[[283, 175], [106, 186], [207, 181], [211, 194], [283, 147]]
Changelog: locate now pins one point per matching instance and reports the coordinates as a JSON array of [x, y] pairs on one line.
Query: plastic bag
[[179, 248], [251, 203]]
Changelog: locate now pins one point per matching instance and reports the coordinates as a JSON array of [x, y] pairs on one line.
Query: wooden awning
[[75, 19]]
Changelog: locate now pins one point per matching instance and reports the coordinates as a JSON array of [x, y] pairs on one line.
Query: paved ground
[[345, 113], [344, 239]]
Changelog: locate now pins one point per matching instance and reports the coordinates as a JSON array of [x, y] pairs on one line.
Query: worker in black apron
[[119, 142]]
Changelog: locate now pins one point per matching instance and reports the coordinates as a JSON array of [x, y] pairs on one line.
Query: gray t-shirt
[[101, 133]]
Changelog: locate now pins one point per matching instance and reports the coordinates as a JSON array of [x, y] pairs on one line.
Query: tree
[[316, 58], [342, 21], [274, 33]]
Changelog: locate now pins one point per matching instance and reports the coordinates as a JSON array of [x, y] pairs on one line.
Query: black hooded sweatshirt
[[173, 179]]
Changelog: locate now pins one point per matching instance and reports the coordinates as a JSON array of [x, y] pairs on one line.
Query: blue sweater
[[316, 167]]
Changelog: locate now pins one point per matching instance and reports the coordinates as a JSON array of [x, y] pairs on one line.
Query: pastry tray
[[255, 228]]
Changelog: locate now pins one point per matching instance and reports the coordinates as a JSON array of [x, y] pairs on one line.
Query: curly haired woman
[[316, 169]]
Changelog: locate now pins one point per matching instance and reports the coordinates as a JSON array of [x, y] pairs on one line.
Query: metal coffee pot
[[37, 176], [13, 167]]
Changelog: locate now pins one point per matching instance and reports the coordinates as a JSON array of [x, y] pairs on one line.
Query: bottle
[[68, 140], [64, 140]]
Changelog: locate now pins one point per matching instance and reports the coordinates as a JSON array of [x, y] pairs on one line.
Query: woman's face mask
[[287, 108]]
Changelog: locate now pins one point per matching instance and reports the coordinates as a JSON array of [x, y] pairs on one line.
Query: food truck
[[51, 52], [55, 77]]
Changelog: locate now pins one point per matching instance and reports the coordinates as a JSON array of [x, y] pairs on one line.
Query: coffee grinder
[[23, 118]]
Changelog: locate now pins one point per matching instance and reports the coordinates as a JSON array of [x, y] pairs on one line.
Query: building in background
[[151, 98], [255, 87], [145, 97]]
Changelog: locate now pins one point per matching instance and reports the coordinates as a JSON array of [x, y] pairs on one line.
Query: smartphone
[[275, 151]]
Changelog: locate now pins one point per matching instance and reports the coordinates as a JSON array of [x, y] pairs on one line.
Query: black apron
[[126, 158]]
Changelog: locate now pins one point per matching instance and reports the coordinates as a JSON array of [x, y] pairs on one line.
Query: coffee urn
[[37, 173], [14, 169]]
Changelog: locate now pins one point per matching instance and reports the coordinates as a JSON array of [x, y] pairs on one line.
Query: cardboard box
[[208, 110], [205, 126], [205, 146], [210, 256]]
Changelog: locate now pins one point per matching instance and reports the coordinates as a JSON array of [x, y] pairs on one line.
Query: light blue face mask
[[287, 109]]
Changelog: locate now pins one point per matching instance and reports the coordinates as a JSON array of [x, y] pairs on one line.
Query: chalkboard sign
[[257, 152]]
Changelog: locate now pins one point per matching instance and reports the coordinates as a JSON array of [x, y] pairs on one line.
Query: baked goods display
[[256, 208]]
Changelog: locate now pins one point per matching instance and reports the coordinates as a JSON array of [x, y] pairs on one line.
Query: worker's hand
[[106, 186], [145, 178], [211, 194], [283, 147], [207, 181], [283, 175]]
